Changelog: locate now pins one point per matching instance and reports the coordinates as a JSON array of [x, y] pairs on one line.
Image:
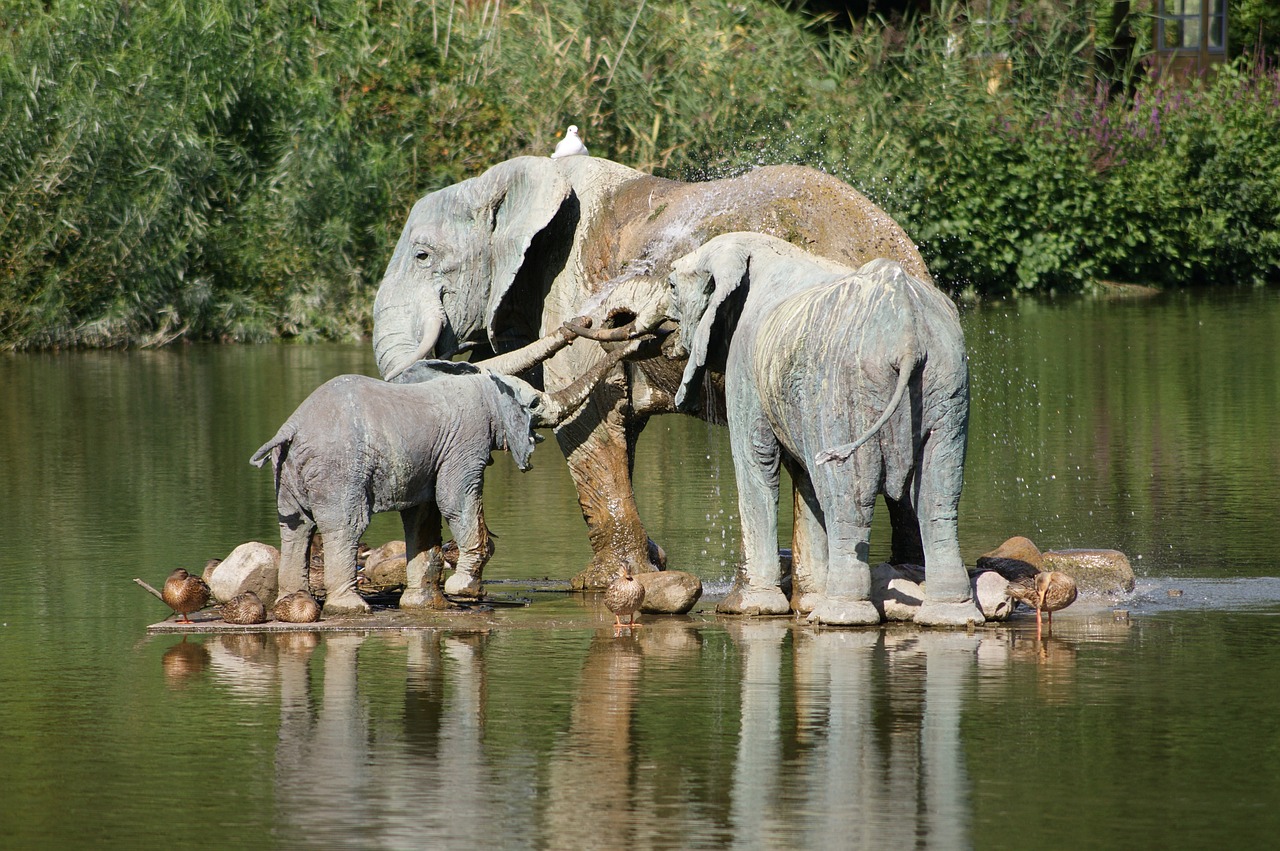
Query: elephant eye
[[422, 255]]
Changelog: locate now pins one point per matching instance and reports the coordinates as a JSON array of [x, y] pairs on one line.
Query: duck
[[298, 607], [1045, 592], [184, 593], [624, 596], [571, 145], [246, 608]]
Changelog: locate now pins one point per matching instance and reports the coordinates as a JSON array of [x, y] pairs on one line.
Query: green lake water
[[1148, 426]]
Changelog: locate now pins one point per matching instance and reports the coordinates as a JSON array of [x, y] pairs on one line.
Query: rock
[[895, 592], [1095, 571], [669, 592], [1014, 559], [385, 565], [989, 589], [250, 567]]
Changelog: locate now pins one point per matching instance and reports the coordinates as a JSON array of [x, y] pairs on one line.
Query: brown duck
[[1045, 592], [298, 607], [624, 597], [184, 594], [246, 608]]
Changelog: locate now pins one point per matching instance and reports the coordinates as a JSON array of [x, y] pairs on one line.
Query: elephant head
[[703, 283], [461, 251]]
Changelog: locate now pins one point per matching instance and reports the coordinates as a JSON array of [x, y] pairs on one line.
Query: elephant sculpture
[[357, 446], [493, 261], [858, 382]]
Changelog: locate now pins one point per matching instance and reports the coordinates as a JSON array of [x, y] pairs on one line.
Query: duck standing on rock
[[1046, 592], [184, 594], [624, 597]]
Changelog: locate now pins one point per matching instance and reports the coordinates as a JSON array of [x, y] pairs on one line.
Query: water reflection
[[849, 738]]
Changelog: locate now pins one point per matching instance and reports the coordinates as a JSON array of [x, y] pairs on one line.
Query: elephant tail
[[283, 437], [905, 369]]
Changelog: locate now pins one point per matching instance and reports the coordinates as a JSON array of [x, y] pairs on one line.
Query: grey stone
[[989, 590], [669, 592], [250, 567], [1095, 571], [385, 565], [895, 591]]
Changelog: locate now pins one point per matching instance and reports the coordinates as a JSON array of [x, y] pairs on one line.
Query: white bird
[[571, 145]]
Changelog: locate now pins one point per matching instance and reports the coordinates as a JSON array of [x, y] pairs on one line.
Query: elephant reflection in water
[[601, 792], [854, 786], [328, 771]]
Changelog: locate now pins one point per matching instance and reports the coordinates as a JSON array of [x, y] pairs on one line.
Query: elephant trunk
[[405, 331], [559, 406], [527, 357]]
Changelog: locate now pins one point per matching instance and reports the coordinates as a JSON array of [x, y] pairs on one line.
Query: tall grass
[[240, 169]]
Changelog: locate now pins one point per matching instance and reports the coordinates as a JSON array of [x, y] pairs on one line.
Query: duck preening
[[184, 593]]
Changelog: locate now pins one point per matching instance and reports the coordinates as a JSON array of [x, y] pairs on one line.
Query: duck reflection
[[182, 662]]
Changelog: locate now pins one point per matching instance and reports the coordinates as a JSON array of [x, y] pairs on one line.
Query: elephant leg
[[341, 540], [756, 457], [599, 444], [808, 544], [908, 546], [948, 592], [424, 563], [296, 531], [847, 492], [466, 519]]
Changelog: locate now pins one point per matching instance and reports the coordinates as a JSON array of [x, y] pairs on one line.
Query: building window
[[1193, 25]]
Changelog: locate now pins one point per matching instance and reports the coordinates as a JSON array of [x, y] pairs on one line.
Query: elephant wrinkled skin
[[496, 260], [857, 381]]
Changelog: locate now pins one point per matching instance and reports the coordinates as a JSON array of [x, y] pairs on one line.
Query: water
[[1145, 426]]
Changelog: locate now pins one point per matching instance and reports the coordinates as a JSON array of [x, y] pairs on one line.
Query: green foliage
[[237, 170]]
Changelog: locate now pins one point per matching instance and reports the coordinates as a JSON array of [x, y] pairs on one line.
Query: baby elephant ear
[[516, 424]]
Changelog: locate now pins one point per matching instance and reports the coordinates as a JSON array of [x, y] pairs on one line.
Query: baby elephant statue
[[857, 381], [357, 446]]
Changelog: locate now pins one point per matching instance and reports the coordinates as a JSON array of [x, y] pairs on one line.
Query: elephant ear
[[515, 401], [428, 370], [729, 270], [526, 195]]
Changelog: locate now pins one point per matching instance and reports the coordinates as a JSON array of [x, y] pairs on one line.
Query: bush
[[238, 170]]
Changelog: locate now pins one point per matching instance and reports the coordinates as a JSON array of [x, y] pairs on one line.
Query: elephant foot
[[743, 600], [464, 585], [933, 613], [346, 603], [424, 598], [835, 611], [806, 602]]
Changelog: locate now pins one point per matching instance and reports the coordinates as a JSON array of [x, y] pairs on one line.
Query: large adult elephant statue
[[495, 261], [857, 382]]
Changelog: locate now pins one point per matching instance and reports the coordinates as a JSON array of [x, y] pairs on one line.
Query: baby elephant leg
[[341, 539], [472, 537], [425, 563]]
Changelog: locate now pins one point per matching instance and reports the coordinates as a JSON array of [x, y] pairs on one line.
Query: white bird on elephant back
[[571, 145]]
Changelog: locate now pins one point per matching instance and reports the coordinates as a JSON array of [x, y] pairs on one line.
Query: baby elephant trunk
[[559, 406]]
